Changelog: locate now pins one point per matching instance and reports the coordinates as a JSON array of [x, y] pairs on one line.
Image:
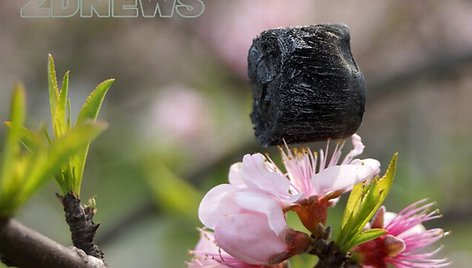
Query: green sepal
[[363, 203]]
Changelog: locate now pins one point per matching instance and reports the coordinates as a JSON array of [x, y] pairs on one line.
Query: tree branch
[[23, 247]]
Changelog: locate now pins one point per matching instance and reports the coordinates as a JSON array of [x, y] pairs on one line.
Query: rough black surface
[[306, 85], [81, 225]]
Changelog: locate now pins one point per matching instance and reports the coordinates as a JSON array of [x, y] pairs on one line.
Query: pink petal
[[388, 217], [208, 254], [235, 176], [342, 177], [206, 243], [257, 174], [415, 230], [265, 204], [248, 238], [358, 149], [371, 168], [216, 203]]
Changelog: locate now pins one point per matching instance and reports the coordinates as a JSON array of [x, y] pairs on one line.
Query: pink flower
[[406, 238], [208, 254], [242, 219], [322, 178], [319, 183], [248, 214]]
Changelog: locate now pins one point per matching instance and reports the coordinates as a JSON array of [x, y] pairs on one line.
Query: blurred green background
[[180, 104]]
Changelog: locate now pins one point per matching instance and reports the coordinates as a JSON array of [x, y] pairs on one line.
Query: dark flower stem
[[328, 253]]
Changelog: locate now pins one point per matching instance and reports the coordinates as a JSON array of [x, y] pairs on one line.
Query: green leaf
[[26, 166], [351, 205], [63, 157], [34, 168], [12, 146], [60, 152], [64, 92], [52, 84], [61, 116], [369, 204], [89, 111], [94, 101], [377, 194], [26, 136], [366, 235], [385, 183]]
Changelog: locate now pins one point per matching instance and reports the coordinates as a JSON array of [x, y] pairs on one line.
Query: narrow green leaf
[[64, 91], [35, 168], [31, 166], [386, 182], [94, 101], [60, 152], [27, 137], [61, 116], [356, 205], [11, 186], [77, 164], [353, 202], [376, 196], [52, 84], [10, 166], [368, 206], [89, 111], [12, 146], [365, 236], [18, 103], [363, 203]]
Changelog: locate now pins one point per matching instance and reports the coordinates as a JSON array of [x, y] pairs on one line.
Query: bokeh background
[[178, 111]]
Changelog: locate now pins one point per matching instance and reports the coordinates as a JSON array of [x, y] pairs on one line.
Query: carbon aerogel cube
[[306, 85]]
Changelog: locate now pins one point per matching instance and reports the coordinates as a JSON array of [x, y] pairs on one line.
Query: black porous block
[[306, 85]]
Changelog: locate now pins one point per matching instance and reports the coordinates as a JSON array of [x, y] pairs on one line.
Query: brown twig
[[23, 247]]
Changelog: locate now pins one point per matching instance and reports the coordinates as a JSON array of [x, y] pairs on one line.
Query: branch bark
[[23, 247], [81, 225]]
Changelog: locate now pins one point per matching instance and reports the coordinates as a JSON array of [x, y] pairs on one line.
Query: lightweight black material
[[306, 85]]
